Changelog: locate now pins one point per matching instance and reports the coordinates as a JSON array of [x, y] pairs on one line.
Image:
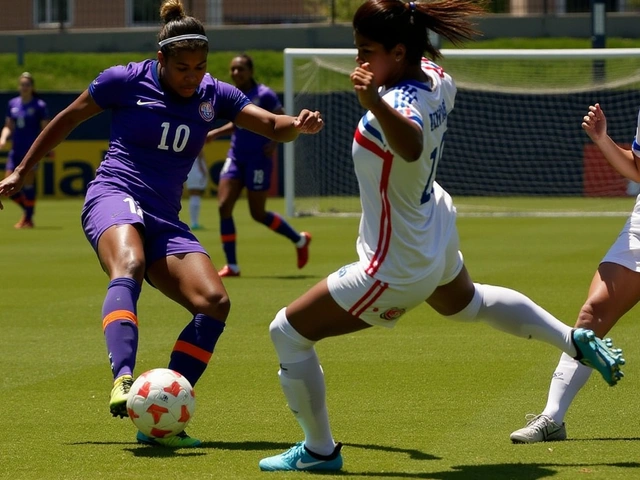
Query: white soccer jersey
[[407, 218], [635, 148], [198, 175]]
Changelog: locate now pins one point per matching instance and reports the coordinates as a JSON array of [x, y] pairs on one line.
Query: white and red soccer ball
[[161, 403]]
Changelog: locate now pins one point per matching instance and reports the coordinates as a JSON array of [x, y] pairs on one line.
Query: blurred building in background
[[25, 15]]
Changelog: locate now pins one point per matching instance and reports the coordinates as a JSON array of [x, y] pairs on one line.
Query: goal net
[[515, 129]]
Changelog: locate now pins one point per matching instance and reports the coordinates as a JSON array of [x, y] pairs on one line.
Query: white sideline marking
[[544, 214], [513, 214]]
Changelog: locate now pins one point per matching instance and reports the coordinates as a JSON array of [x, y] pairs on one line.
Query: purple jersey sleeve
[[107, 89], [43, 110], [270, 100], [231, 101], [246, 145]]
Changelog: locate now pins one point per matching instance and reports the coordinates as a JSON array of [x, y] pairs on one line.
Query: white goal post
[[515, 129]]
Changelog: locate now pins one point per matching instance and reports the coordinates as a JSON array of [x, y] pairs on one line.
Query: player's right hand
[[10, 185], [594, 123], [364, 83]]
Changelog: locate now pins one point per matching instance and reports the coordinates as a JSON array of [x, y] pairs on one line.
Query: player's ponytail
[[390, 22], [180, 31], [171, 10]]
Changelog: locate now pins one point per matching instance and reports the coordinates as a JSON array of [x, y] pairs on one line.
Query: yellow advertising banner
[[74, 163]]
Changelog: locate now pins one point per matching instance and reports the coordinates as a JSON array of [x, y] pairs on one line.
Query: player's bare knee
[[225, 209], [257, 215], [127, 265], [215, 304], [586, 316], [597, 319]]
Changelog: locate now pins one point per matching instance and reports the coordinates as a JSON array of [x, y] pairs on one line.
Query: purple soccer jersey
[[155, 135], [246, 160], [154, 138], [27, 118], [246, 144]]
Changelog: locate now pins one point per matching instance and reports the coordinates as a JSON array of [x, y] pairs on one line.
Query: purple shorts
[[254, 172], [163, 236]]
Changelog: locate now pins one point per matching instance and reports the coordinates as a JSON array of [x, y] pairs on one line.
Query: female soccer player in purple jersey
[[614, 290], [161, 112], [249, 164], [408, 245], [27, 115]]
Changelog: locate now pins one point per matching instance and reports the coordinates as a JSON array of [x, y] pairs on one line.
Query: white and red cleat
[[303, 251], [227, 271]]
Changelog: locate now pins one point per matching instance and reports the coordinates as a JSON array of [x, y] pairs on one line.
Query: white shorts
[[380, 303], [625, 250], [198, 176]]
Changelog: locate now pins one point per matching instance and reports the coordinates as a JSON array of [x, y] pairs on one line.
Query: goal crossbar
[[316, 54]]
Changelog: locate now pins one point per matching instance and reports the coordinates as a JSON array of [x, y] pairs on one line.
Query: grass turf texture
[[430, 399], [72, 72]]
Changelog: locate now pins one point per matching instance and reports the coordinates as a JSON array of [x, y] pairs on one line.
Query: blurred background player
[[249, 164], [196, 185], [408, 244], [614, 290], [161, 112], [27, 115]]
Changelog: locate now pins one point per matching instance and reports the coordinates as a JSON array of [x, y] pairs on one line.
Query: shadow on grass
[[247, 445], [413, 453], [149, 451], [603, 439], [279, 446], [504, 471]]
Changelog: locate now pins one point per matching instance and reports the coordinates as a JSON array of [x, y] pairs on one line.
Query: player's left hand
[[308, 121], [595, 123]]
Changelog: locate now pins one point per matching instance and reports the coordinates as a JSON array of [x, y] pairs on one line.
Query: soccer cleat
[[180, 440], [227, 271], [119, 395], [539, 428], [23, 224], [298, 458], [598, 354], [303, 252], [197, 226]]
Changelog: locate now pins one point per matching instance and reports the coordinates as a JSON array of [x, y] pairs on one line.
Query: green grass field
[[72, 72], [430, 399]]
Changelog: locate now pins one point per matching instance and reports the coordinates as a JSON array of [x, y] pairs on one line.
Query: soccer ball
[[161, 403]]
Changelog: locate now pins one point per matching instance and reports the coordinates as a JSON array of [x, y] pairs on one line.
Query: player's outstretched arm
[[55, 132], [594, 123], [281, 128]]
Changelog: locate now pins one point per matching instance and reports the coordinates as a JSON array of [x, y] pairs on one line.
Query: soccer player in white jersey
[[196, 185], [614, 290], [408, 245]]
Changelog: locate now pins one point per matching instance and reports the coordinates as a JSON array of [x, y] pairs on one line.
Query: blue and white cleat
[[180, 440], [298, 458], [598, 354]]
